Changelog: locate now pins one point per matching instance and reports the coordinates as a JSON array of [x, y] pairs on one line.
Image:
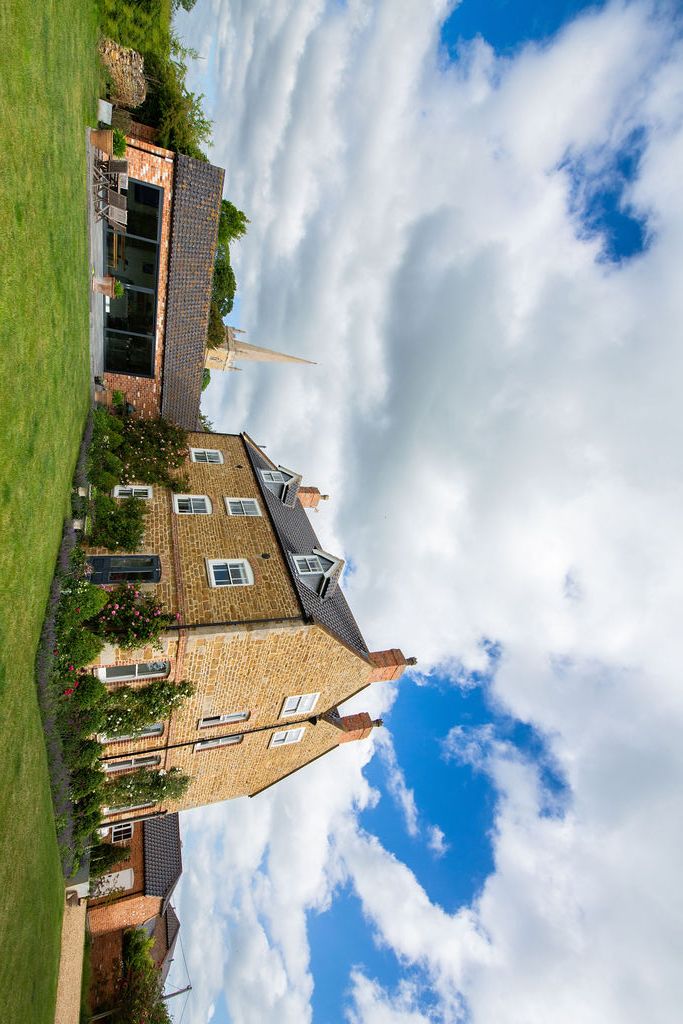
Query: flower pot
[[104, 286]]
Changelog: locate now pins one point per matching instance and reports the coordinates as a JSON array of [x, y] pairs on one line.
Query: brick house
[[155, 334], [136, 893], [264, 631]]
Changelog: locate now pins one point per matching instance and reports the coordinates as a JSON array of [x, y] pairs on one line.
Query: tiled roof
[[172, 929], [163, 856], [197, 193], [297, 537]]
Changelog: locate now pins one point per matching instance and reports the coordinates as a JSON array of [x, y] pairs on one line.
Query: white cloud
[[403, 796], [496, 414], [371, 1005], [437, 841]]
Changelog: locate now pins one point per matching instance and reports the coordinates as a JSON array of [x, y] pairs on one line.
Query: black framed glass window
[[131, 319], [125, 568]]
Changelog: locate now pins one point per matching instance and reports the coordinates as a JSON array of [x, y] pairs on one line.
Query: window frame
[[131, 763], [156, 729], [131, 677], [103, 566], [243, 514], [218, 741], [284, 713], [126, 826], [308, 559], [210, 572], [274, 476], [147, 496], [208, 506], [211, 721], [107, 811], [297, 731], [207, 461]]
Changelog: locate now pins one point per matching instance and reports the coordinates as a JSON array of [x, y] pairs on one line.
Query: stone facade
[[247, 648]]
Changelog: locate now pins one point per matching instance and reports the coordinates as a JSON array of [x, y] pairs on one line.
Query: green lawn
[[48, 89]]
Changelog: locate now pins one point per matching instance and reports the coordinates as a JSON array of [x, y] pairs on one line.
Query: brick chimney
[[310, 497], [388, 665], [356, 727]]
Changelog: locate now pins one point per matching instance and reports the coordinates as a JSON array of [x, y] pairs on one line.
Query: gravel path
[[71, 965]]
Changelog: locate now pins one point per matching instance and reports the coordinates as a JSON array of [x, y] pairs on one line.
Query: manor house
[[264, 631]]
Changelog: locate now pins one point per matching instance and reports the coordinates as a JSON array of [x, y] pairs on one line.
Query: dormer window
[[283, 483], [319, 571]]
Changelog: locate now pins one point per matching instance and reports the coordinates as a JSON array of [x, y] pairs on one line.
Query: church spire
[[235, 350]]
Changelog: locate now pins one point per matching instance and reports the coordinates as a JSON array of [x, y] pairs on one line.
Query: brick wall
[[136, 861], [150, 163]]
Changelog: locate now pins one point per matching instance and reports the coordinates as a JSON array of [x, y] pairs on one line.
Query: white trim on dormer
[[319, 571]]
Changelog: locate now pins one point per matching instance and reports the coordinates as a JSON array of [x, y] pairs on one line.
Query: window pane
[[221, 574], [133, 568], [120, 672], [144, 203], [125, 353]]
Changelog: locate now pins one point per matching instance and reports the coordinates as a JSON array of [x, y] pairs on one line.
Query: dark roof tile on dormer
[[297, 537]]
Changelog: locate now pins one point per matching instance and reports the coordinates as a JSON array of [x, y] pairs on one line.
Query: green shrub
[[104, 856], [79, 602], [85, 781], [146, 786], [90, 692], [119, 525], [172, 108], [82, 721], [105, 480], [120, 144], [132, 618], [140, 995], [77, 648], [179, 484], [130, 709], [82, 753]]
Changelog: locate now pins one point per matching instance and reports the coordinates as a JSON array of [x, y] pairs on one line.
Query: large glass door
[[131, 320]]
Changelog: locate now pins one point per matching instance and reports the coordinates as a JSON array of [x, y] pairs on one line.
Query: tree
[[224, 283], [206, 378], [232, 224], [215, 335]]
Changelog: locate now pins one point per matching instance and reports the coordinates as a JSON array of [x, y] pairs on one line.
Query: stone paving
[[68, 1006], [97, 265]]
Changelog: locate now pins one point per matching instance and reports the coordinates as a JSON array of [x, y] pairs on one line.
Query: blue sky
[[470, 219]]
